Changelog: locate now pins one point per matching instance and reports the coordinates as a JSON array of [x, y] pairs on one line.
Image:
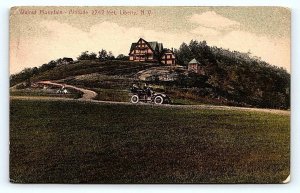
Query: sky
[[41, 34]]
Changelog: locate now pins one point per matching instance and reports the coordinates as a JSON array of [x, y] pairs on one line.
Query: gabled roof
[[153, 45], [194, 61], [132, 46], [160, 47], [164, 51], [157, 45], [167, 50]]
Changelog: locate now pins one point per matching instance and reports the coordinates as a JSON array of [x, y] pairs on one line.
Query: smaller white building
[[195, 66]]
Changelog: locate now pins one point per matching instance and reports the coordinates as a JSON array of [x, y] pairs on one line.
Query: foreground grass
[[23, 92], [75, 142]]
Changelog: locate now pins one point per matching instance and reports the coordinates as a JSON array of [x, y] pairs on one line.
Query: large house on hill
[[151, 52]]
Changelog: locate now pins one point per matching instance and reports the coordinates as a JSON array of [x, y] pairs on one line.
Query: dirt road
[[42, 98], [87, 94]]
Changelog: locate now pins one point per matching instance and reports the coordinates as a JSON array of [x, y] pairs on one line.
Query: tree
[[92, 56], [83, 56], [102, 55], [86, 56], [183, 55], [122, 57], [110, 56]]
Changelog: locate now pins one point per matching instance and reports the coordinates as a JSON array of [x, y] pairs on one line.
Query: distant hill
[[231, 77]]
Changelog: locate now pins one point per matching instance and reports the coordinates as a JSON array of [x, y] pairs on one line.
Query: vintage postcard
[[150, 95]]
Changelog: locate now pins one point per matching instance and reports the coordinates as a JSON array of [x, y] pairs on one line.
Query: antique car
[[148, 95]]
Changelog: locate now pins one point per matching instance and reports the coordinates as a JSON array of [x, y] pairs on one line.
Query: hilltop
[[230, 78]]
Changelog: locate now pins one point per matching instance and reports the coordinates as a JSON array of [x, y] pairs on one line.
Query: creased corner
[[287, 180]]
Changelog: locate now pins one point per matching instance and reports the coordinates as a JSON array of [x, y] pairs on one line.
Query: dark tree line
[[103, 55], [236, 76], [28, 73]]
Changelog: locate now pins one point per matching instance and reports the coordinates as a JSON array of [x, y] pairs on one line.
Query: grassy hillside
[[52, 71], [227, 78], [76, 142], [110, 79]]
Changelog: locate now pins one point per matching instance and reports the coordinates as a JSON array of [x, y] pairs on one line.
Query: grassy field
[[112, 95], [77, 142], [109, 68], [40, 92]]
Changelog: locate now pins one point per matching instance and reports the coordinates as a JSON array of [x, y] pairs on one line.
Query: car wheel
[[134, 99], [158, 100]]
